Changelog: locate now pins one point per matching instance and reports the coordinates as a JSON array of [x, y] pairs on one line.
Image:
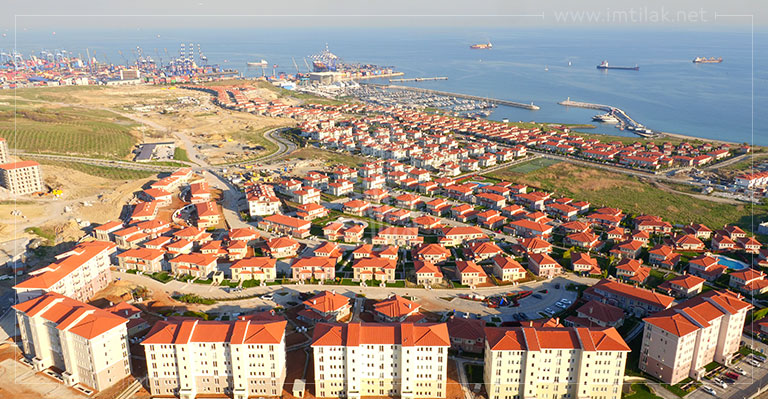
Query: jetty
[[418, 79], [497, 101], [620, 114]]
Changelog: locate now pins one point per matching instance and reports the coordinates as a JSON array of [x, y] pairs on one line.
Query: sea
[[527, 64]]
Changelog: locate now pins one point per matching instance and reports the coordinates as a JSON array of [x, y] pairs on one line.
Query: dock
[[625, 119], [418, 79], [364, 77], [508, 103]]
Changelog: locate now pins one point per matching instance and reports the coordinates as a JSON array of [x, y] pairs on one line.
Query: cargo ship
[[711, 60], [481, 46], [604, 65]]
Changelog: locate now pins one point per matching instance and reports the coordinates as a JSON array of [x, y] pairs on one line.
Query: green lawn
[[73, 131], [180, 154], [633, 195], [640, 391]]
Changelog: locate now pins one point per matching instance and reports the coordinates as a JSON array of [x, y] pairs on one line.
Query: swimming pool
[[732, 264]]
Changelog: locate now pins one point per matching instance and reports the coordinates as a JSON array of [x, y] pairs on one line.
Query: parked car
[[732, 375], [267, 297], [759, 358], [561, 305], [709, 390], [753, 362], [718, 382], [537, 296], [566, 300], [739, 370], [549, 311]]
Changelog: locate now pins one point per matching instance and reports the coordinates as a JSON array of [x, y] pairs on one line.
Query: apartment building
[[679, 342], [88, 345], [78, 273], [379, 359], [554, 362], [147, 260], [242, 358], [262, 200], [637, 301], [22, 177]]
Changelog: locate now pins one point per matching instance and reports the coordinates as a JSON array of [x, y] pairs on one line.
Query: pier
[[418, 79], [508, 103], [625, 119], [380, 76]]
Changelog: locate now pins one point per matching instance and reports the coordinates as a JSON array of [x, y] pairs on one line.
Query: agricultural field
[[73, 131], [633, 195]]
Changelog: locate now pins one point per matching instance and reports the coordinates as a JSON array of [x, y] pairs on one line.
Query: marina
[[496, 101], [624, 120], [420, 101]]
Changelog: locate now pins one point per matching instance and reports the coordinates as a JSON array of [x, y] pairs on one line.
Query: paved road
[[748, 385], [437, 299]]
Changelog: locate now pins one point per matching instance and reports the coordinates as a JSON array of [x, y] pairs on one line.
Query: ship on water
[[604, 65], [605, 118], [481, 46], [262, 63], [704, 60]]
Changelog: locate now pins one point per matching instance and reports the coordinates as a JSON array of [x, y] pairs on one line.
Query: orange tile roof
[[469, 267], [633, 292], [48, 276], [261, 262], [327, 301], [143, 253], [382, 263], [314, 261], [396, 306], [17, 165], [70, 315], [541, 338], [233, 332], [427, 267], [405, 334]]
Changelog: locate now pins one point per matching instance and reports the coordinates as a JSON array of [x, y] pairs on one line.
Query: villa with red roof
[[314, 267], [583, 263], [434, 253], [684, 286], [397, 309], [380, 269], [399, 236], [452, 236], [325, 306], [146, 260], [632, 271], [469, 273], [427, 273], [749, 281], [506, 268], [256, 268], [194, 264], [706, 267], [286, 225], [542, 265]]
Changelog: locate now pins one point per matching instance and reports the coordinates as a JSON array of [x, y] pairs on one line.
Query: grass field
[[331, 157], [67, 130], [55, 94], [101, 171], [180, 154], [256, 137], [602, 188], [640, 391], [532, 165]]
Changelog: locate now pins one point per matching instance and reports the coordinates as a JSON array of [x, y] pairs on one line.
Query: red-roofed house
[[542, 265]]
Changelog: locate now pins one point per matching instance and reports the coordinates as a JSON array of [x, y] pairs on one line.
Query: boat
[[569, 63], [546, 68], [481, 46], [605, 118], [704, 60], [262, 63], [604, 65]]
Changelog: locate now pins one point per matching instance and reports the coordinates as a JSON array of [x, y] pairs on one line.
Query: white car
[[566, 301], [739, 370], [753, 363], [267, 297], [709, 390], [549, 311], [717, 381], [561, 305]]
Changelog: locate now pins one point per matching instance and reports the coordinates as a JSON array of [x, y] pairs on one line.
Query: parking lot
[[747, 385]]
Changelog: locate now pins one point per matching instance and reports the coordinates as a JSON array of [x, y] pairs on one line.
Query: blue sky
[[651, 14]]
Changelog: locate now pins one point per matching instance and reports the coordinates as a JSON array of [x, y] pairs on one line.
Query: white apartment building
[[554, 362], [242, 358], [78, 273], [680, 341], [262, 200], [87, 344], [376, 359], [22, 177]]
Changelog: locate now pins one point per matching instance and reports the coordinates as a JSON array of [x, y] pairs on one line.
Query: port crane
[[121, 55], [295, 66], [307, 64]]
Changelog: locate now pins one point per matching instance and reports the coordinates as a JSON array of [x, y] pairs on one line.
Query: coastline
[[687, 137]]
